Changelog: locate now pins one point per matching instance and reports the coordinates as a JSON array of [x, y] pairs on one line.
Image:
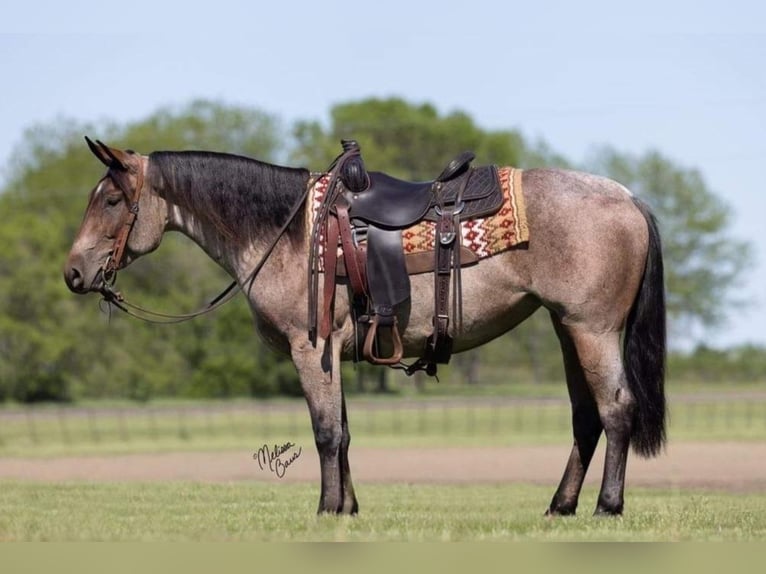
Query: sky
[[687, 79]]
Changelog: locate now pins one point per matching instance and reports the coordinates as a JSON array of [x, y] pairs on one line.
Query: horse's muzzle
[[74, 280]]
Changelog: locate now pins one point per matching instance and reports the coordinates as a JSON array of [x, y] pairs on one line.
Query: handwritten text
[[277, 458]]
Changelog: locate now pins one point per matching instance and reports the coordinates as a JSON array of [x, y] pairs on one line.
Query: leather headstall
[[112, 263]]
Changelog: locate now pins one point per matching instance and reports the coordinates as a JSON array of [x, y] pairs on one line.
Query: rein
[[110, 267]]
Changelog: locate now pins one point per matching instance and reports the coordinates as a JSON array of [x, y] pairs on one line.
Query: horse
[[593, 261]]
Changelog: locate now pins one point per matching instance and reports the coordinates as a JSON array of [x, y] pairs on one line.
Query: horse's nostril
[[74, 279]]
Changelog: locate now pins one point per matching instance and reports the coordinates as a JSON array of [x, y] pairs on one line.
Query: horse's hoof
[[561, 511], [351, 509], [602, 510]]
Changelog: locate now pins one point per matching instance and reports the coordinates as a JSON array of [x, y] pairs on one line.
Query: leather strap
[[330, 262], [457, 277], [120, 242], [320, 224], [440, 343], [355, 266]]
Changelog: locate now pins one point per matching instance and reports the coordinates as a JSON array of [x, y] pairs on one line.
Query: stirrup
[[369, 341]]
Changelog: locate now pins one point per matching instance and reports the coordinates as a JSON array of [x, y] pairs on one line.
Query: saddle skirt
[[480, 237]]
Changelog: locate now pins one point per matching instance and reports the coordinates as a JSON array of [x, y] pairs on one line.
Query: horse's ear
[[110, 157], [119, 158], [99, 153]]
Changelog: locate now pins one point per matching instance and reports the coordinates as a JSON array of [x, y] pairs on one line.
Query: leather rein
[[110, 267]]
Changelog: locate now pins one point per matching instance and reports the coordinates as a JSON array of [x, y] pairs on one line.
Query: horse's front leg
[[350, 505], [319, 371]]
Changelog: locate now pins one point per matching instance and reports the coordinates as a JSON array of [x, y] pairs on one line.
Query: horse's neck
[[249, 195], [238, 261], [208, 239]]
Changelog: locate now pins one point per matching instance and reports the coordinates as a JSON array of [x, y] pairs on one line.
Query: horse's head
[[124, 219]]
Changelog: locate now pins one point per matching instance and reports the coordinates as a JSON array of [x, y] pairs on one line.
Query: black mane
[[241, 197]]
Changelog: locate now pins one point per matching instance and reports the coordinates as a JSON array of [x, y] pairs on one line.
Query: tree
[[702, 261], [406, 140], [745, 363]]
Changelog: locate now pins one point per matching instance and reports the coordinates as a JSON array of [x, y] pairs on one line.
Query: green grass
[[57, 431], [256, 512]]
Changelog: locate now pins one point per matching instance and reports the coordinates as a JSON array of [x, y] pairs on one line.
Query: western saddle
[[362, 216]]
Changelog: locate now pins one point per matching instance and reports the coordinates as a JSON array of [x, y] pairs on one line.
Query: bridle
[[108, 271]]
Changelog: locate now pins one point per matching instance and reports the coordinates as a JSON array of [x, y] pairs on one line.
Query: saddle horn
[[353, 173]]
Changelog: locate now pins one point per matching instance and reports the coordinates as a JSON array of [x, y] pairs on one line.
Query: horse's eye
[[113, 199]]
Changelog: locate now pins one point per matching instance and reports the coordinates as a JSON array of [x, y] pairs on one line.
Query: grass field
[[250, 511], [258, 512], [57, 430]]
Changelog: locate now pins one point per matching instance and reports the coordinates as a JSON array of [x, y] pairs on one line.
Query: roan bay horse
[[593, 261]]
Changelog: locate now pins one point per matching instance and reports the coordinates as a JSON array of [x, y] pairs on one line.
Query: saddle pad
[[484, 236]]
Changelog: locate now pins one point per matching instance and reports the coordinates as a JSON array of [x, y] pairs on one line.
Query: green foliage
[[702, 262], [746, 363], [56, 346], [405, 140]]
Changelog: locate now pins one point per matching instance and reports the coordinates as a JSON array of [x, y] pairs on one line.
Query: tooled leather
[[483, 196], [391, 203]]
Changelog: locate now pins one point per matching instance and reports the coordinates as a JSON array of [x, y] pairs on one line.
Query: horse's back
[[584, 261]]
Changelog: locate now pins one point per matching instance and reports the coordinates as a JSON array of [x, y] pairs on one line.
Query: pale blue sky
[[686, 78]]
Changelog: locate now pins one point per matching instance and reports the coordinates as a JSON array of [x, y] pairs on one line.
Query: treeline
[[56, 346], [745, 363]]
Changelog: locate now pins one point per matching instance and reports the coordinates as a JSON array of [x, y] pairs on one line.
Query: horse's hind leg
[[586, 426], [601, 363], [323, 390]]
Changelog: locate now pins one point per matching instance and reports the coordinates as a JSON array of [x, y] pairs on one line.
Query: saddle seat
[[391, 203]]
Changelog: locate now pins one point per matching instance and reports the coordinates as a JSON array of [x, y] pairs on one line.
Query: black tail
[[644, 348]]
